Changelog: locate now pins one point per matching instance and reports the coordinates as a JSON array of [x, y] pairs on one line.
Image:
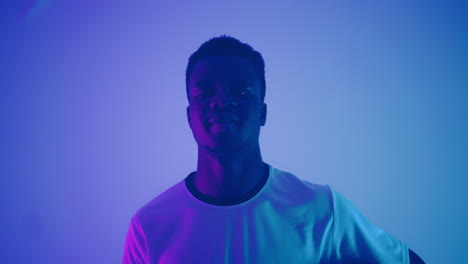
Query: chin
[[226, 149]]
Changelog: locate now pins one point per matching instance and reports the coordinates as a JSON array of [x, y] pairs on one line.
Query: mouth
[[223, 120], [222, 124], [217, 124]]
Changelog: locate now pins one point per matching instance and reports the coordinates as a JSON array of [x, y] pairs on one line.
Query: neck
[[230, 177]]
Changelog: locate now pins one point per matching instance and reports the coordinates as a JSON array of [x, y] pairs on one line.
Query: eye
[[200, 93], [245, 92], [243, 88]]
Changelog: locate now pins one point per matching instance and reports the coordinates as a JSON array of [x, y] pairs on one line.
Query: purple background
[[367, 96]]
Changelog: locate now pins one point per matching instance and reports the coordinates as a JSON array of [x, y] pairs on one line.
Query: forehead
[[222, 69]]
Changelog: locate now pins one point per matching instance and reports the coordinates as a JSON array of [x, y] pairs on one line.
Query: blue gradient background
[[367, 96]]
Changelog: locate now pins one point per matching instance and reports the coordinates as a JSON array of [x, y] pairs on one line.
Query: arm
[[356, 240], [414, 258], [135, 251]]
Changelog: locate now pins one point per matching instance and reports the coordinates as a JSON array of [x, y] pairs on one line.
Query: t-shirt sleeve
[[135, 251], [355, 239]]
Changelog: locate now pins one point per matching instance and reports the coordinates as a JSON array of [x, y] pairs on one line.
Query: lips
[[223, 119]]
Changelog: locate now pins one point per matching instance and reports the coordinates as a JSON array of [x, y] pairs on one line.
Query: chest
[[242, 237]]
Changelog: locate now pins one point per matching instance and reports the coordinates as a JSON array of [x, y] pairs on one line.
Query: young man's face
[[225, 110]]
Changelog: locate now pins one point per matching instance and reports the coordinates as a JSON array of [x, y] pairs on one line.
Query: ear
[[263, 114], [188, 117]]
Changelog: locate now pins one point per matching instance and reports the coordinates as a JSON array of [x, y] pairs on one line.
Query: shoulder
[[284, 181], [297, 191], [163, 204]]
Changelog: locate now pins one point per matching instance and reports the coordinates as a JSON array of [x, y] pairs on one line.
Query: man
[[235, 208]]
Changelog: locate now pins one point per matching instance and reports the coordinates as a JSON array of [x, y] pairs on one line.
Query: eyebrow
[[203, 83], [244, 82]]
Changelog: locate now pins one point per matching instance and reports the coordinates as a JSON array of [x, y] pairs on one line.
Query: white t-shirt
[[288, 221]]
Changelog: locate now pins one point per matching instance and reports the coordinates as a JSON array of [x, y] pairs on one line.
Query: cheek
[[196, 120], [251, 113]]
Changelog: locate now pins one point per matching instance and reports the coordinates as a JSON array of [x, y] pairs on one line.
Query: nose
[[223, 102]]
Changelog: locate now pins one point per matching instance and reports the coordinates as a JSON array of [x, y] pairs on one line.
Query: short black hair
[[227, 46]]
